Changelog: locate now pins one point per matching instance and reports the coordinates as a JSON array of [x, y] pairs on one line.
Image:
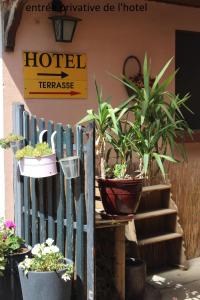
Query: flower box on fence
[[38, 167], [39, 161]]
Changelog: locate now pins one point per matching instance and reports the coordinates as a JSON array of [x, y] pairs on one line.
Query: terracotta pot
[[120, 196]]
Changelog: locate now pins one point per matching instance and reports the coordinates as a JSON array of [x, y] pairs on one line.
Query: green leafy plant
[[47, 257], [122, 139], [158, 120], [151, 137], [41, 149], [103, 122], [5, 143], [9, 242]]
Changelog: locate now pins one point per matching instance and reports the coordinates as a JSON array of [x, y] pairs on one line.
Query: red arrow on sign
[[71, 93]]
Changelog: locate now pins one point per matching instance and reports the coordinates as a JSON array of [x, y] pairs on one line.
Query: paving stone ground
[[175, 284]]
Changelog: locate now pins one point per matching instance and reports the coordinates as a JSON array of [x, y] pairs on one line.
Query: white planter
[[38, 167]]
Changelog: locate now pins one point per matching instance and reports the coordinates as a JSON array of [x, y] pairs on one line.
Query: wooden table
[[119, 250]]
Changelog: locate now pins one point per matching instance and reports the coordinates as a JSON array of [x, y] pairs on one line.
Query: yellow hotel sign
[[54, 75]]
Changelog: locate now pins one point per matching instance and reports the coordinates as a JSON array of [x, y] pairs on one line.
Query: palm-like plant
[[103, 122], [158, 119]]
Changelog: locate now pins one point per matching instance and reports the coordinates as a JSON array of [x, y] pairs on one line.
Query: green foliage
[[103, 119], [11, 138], [47, 257], [119, 170], [41, 149], [158, 119], [151, 137], [9, 242]]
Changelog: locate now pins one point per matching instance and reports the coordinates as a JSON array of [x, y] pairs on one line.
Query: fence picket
[[26, 184], [80, 217], [41, 196], [18, 110], [90, 213], [34, 201], [60, 189], [69, 199], [50, 184]]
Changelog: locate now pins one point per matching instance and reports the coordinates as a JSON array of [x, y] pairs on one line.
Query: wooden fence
[[55, 207]]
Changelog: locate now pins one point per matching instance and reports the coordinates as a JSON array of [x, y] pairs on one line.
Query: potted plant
[[47, 275], [158, 121], [38, 161], [12, 251], [120, 191], [13, 141]]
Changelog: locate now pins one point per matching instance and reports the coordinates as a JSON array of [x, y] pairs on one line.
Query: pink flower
[[10, 224]]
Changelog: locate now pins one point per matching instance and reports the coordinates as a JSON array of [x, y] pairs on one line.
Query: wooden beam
[[12, 17], [189, 3]]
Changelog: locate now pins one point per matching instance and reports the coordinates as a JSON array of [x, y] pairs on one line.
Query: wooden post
[[12, 18], [90, 215], [18, 110], [120, 261]]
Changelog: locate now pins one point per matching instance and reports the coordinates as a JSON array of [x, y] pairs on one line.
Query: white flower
[[66, 277], [49, 241], [36, 250], [26, 264], [54, 249], [47, 250]]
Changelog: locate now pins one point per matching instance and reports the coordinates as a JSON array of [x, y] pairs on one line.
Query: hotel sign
[[54, 75]]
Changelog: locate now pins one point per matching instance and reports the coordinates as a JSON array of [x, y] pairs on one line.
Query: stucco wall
[[107, 38]]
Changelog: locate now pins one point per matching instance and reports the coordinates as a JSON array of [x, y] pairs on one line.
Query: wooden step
[[157, 187], [154, 213], [159, 238]]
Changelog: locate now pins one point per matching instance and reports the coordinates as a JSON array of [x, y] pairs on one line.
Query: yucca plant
[[103, 119], [158, 119], [122, 138]]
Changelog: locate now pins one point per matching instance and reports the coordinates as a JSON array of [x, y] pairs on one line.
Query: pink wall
[[107, 38]]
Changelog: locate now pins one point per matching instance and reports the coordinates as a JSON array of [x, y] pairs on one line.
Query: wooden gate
[[55, 207]]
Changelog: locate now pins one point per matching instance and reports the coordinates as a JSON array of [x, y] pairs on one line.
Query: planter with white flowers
[[47, 275]]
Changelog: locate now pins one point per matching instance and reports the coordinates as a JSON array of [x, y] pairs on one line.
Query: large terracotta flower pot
[[120, 196]]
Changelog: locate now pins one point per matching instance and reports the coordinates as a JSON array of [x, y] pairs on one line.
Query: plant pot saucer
[[106, 216]]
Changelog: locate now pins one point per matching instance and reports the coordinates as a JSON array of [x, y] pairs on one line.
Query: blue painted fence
[[55, 207]]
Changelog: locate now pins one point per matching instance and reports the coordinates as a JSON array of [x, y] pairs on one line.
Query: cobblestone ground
[[178, 284]]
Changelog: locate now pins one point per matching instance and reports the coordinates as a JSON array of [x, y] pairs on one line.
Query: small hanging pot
[[70, 166]]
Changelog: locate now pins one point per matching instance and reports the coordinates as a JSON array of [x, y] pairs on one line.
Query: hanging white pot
[[70, 166], [39, 167]]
